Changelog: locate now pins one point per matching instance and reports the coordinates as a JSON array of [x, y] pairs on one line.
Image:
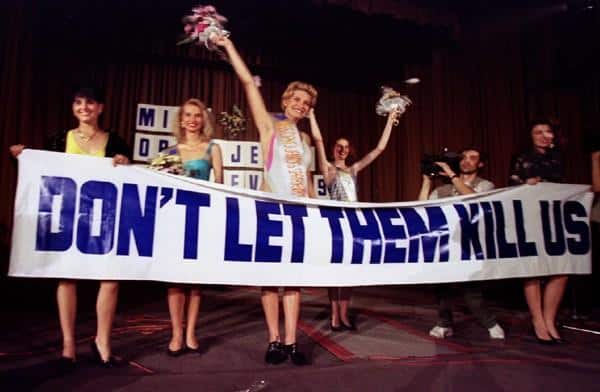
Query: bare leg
[[553, 293], [176, 300], [193, 310], [106, 305], [291, 310], [335, 306], [533, 296], [344, 304], [66, 299], [270, 304]]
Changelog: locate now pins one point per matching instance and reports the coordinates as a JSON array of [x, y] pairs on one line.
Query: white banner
[[80, 217]]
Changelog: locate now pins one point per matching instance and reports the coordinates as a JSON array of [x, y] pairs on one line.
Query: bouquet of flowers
[[233, 124], [203, 24], [169, 163], [391, 101]]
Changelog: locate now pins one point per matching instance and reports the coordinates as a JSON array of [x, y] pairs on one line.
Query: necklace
[[84, 137], [195, 145]]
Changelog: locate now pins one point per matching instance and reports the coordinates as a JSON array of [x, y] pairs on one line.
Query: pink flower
[[201, 19], [204, 10], [200, 27], [220, 18], [190, 19]]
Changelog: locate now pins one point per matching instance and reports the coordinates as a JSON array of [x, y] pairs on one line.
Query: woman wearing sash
[[87, 139], [340, 180], [197, 154], [286, 155]]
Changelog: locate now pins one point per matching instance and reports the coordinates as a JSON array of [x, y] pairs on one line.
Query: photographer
[[463, 183]]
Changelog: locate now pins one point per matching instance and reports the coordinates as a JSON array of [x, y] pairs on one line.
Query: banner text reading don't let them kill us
[[80, 217]]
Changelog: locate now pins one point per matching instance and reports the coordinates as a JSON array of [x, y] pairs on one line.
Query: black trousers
[[473, 297]]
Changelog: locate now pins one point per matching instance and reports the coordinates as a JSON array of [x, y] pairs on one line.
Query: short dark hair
[[89, 92], [551, 122], [482, 154]]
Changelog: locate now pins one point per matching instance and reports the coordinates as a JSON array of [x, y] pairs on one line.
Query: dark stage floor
[[390, 352]]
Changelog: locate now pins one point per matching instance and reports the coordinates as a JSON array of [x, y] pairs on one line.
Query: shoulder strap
[[208, 150]]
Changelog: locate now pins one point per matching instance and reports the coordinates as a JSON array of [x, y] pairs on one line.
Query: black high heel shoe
[[66, 365], [297, 357], [201, 349], [111, 362], [539, 340], [176, 353], [334, 328], [275, 353], [559, 340], [348, 327]]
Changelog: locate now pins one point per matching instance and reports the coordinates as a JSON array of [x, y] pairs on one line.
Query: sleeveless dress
[[343, 186], [287, 161], [64, 141], [71, 147], [194, 168]]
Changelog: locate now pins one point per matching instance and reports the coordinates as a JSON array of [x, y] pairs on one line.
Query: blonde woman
[[198, 155], [287, 156]]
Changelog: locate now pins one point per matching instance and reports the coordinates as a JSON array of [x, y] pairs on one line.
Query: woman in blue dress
[[198, 154]]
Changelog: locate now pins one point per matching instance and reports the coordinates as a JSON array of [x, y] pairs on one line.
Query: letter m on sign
[[146, 116]]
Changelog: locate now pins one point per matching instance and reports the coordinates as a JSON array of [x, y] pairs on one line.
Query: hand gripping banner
[[80, 217]]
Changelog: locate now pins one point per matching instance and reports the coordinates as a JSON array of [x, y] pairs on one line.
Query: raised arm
[[326, 168], [455, 179], [383, 141], [425, 188], [255, 101]]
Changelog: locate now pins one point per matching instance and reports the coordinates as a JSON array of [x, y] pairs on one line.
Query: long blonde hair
[[207, 128], [302, 86]]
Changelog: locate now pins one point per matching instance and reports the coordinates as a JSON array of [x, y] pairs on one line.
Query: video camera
[[429, 168]]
